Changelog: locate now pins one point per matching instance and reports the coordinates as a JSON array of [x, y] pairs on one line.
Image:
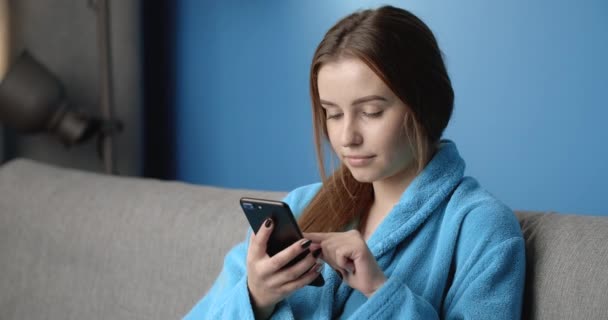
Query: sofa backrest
[[567, 266], [80, 245]]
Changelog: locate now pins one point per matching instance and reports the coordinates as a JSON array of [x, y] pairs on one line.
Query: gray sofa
[[80, 245]]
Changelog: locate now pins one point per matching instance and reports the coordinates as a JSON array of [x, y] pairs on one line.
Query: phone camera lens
[[259, 207], [248, 206]]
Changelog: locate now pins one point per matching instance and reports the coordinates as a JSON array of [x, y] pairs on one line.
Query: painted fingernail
[[268, 223], [319, 268], [316, 253], [306, 244]]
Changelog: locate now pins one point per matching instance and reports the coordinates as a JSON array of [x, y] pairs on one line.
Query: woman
[[405, 233]]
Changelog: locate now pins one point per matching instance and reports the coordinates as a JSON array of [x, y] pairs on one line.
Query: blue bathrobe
[[449, 250]]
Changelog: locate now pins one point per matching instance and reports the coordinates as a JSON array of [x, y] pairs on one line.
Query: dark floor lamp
[[33, 100]]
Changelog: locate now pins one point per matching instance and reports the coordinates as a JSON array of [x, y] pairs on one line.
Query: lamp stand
[[106, 89]]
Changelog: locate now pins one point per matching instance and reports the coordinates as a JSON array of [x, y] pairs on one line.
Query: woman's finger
[[318, 237], [305, 279], [350, 266], [260, 239], [314, 247], [296, 271], [344, 257], [340, 253], [286, 255]]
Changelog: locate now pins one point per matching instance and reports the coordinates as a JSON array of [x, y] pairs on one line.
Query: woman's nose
[[351, 135]]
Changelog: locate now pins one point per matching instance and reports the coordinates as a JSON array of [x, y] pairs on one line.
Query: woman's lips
[[358, 161]]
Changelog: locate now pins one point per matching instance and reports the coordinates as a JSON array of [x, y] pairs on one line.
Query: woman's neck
[[387, 192]]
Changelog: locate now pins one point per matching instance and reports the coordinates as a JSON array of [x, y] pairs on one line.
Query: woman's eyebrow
[[328, 103], [368, 99], [358, 101]]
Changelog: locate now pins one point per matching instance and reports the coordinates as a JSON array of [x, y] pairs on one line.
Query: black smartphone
[[285, 232]]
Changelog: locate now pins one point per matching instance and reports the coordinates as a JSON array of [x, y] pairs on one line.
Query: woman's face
[[364, 121]]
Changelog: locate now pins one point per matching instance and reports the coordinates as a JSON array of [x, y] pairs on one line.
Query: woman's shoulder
[[480, 212], [300, 197]]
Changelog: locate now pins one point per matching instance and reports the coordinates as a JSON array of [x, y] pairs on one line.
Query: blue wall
[[530, 79]]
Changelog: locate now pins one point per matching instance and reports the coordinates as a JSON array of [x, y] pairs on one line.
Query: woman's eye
[[334, 116], [372, 114]]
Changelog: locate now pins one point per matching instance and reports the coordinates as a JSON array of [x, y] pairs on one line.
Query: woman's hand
[[267, 279], [348, 253]]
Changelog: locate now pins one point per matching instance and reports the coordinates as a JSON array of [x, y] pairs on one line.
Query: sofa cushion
[[79, 245], [567, 266]]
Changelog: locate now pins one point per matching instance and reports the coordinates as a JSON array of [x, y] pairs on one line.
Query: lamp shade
[[32, 100]]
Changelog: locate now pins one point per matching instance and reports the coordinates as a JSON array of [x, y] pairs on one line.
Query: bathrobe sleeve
[[488, 279], [489, 289], [493, 287], [228, 298], [490, 266], [395, 300]]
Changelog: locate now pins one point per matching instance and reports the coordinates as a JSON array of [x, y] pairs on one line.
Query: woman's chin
[[363, 177]]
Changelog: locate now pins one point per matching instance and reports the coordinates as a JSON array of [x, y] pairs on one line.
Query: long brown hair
[[403, 52]]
